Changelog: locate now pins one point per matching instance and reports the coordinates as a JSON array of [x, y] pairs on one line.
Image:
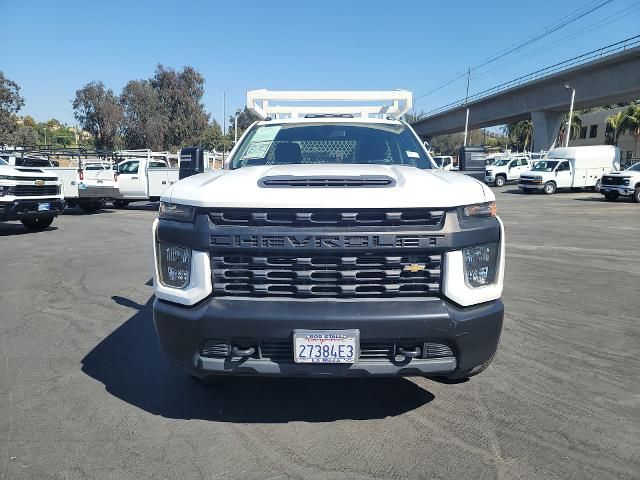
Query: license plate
[[44, 207], [326, 346]]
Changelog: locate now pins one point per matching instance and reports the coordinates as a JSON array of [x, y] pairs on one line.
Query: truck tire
[[500, 181], [120, 203], [549, 188], [611, 196], [636, 195], [92, 206], [38, 223]]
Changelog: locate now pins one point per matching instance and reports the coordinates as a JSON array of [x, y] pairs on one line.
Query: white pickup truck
[[622, 184], [329, 246], [507, 169], [140, 179], [30, 195]]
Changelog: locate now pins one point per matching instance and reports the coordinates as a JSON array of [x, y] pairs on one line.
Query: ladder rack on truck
[[358, 103]]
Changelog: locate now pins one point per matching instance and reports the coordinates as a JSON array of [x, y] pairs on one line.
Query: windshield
[[95, 166], [634, 168], [545, 166], [438, 161], [502, 162], [343, 143]]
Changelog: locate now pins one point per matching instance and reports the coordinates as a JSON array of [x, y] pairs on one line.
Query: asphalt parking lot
[[86, 393]]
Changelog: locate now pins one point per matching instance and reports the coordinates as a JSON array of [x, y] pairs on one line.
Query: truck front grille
[[326, 275], [281, 351], [34, 190], [412, 217], [612, 180]]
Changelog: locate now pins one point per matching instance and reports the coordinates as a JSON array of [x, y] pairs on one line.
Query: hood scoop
[[335, 181]]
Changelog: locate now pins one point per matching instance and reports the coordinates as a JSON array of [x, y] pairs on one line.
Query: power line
[[562, 22], [608, 49], [544, 33], [619, 15]]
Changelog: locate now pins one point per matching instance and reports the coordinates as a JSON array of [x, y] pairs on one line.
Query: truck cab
[[504, 170], [30, 195], [329, 246], [140, 179]]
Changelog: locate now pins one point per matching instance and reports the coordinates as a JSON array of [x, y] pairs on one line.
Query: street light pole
[[235, 129], [568, 132], [466, 99]]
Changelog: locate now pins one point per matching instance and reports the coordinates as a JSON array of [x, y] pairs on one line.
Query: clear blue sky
[[53, 48]]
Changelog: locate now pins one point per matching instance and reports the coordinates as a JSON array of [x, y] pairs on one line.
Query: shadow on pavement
[[75, 211], [10, 229], [131, 366]]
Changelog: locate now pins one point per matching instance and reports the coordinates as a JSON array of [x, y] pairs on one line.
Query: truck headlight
[[487, 209], [480, 264], [174, 265], [176, 212]]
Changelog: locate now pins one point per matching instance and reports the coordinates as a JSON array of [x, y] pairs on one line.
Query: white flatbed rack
[[266, 103]]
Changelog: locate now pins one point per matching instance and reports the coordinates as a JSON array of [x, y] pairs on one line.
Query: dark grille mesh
[[326, 275]]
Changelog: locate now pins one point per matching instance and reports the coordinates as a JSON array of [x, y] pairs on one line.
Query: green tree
[[576, 125], [181, 96], [145, 120], [521, 134], [246, 117], [213, 139], [10, 104], [628, 119], [99, 113]]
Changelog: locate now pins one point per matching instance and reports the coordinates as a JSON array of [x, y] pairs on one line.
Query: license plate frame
[[44, 207], [330, 338]]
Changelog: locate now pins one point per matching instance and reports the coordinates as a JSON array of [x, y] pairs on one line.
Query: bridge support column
[[546, 126]]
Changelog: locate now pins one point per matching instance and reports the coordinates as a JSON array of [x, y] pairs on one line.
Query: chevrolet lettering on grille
[[324, 241]]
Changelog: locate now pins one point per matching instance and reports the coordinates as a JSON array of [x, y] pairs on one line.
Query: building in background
[[594, 132]]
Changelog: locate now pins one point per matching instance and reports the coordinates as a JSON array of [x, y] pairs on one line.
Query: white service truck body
[[572, 167]]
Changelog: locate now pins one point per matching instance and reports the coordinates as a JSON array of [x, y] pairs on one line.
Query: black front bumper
[[23, 209], [472, 333]]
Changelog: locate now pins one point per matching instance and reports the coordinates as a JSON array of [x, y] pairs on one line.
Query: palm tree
[[616, 124], [576, 125], [628, 119], [522, 132]]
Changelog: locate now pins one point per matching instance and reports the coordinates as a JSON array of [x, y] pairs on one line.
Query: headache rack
[[345, 104]]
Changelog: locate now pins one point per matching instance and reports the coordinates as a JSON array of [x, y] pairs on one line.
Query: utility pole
[[224, 125], [466, 101]]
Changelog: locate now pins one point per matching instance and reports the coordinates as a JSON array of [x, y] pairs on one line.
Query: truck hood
[[27, 173], [408, 187]]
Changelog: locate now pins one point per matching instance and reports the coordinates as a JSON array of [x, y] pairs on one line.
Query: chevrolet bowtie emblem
[[39, 182], [414, 268]]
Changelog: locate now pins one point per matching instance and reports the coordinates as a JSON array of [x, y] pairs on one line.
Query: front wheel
[[500, 181], [611, 196], [38, 223], [636, 195], [549, 188]]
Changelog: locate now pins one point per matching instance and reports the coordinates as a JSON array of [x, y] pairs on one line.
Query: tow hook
[[410, 353], [238, 352]]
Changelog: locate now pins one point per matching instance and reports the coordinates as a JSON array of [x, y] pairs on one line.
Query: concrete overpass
[[610, 79]]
